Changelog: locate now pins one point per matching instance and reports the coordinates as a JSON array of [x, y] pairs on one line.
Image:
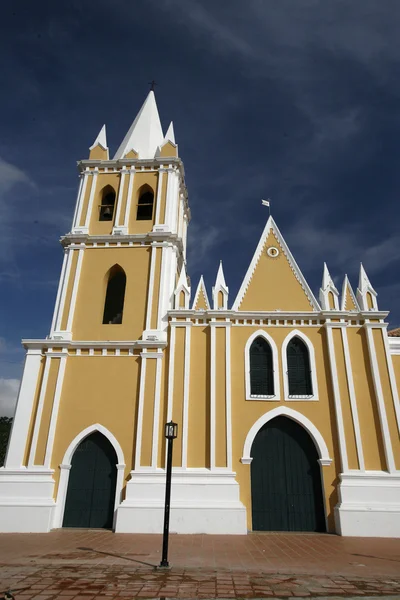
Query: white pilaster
[[61, 285], [156, 420], [161, 172], [212, 398], [336, 397], [80, 201], [118, 229], [353, 401], [151, 287], [38, 420], [171, 374], [129, 199], [392, 378], [186, 383], [75, 289], [228, 396], [23, 411], [139, 432], [387, 443], [171, 199], [91, 200]]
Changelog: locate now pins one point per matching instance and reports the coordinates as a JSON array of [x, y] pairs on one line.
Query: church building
[[287, 403]]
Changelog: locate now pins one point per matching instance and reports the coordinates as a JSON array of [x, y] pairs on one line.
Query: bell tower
[[131, 214]]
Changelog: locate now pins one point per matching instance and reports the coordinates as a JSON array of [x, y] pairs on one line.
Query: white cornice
[[279, 315], [394, 345], [72, 344], [152, 237]]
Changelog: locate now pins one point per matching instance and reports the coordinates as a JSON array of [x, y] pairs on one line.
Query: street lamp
[[171, 432]]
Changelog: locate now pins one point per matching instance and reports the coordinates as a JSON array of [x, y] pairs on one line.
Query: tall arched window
[[114, 304], [299, 371], [107, 204], [261, 369], [145, 204]]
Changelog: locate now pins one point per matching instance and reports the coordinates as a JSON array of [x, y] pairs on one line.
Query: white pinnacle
[[145, 134], [101, 139], [170, 135]]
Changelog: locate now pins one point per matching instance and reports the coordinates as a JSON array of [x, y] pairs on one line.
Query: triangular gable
[[200, 301], [273, 280], [349, 301]]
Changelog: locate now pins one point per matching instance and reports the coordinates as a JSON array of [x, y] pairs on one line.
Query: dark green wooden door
[[91, 486], [285, 479]]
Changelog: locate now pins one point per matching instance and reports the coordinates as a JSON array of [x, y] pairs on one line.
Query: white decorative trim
[[38, 420], [128, 204], [271, 226], [151, 287], [64, 286], [313, 367], [79, 201], [54, 411], [201, 289], [161, 172], [65, 469], [394, 345], [23, 411], [387, 443], [75, 289], [337, 400], [347, 287], [228, 392], [319, 441], [91, 199], [353, 400], [212, 398], [139, 431], [171, 374], [220, 286], [119, 201], [182, 286], [156, 419], [59, 289], [186, 384], [275, 365], [392, 378]]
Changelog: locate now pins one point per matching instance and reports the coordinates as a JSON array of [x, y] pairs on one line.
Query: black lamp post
[[171, 432]]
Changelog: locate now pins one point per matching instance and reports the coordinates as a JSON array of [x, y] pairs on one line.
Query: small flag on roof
[[265, 202]]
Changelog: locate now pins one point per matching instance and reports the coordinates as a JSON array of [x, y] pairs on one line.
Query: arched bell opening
[[286, 486], [107, 205]]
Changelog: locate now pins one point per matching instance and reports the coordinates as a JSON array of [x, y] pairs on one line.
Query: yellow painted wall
[[201, 303], [98, 153], [148, 412], [177, 409], [387, 394], [396, 367], [220, 398], [274, 285], [70, 285], [371, 436], [345, 400], [46, 414], [370, 303], [349, 302], [246, 412], [102, 390], [142, 178], [168, 149], [88, 319], [199, 406]]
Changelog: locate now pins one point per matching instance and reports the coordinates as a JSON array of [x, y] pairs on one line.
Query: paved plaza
[[89, 565]]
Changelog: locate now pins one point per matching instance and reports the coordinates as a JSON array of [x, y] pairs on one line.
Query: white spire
[[201, 289], [363, 281], [327, 281], [170, 135], [328, 287], [145, 133], [220, 286], [366, 295], [100, 140], [182, 286]]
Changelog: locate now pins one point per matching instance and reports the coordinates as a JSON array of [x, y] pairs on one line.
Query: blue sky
[[296, 100]]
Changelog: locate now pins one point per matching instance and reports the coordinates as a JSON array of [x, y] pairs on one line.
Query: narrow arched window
[[115, 295], [299, 371], [261, 370], [145, 204], [107, 204]]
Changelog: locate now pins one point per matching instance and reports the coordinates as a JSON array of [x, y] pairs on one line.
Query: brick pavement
[[94, 565]]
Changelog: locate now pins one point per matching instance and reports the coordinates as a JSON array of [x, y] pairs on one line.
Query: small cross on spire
[[152, 85]]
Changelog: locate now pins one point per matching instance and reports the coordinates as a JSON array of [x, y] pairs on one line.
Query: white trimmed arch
[[65, 468], [284, 411], [313, 366], [275, 366]]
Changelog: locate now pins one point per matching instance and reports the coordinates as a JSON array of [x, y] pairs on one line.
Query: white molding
[[171, 374], [353, 399], [128, 205], [67, 274], [75, 289], [139, 431], [161, 172], [212, 398], [54, 411], [153, 259], [119, 200], [91, 199], [59, 289], [394, 345], [271, 226], [313, 367], [186, 391], [156, 418], [275, 365], [23, 411], [387, 443], [337, 400], [285, 411], [228, 393], [38, 419], [392, 378], [65, 469], [79, 202]]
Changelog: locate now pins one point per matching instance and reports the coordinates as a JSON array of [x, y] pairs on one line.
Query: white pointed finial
[[363, 281], [182, 287], [327, 291], [366, 295], [170, 135], [220, 287], [145, 134], [101, 139]]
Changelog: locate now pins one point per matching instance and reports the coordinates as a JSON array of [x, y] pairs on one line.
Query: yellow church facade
[[287, 405]]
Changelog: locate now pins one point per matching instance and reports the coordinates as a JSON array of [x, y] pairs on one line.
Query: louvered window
[[299, 372], [261, 370]]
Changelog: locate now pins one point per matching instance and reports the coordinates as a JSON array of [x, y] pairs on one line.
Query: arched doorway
[[286, 486], [92, 482]]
